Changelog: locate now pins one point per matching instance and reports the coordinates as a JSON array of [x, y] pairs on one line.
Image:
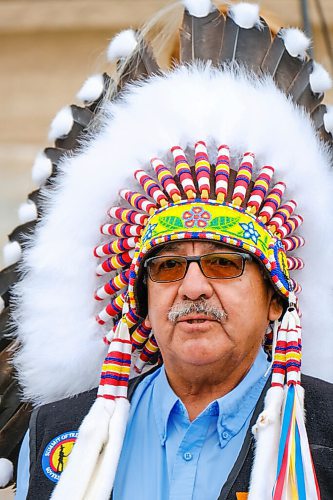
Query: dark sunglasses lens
[[167, 268], [222, 265]]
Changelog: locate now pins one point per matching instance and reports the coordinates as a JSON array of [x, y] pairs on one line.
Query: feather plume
[[280, 64], [201, 37], [248, 46], [141, 64], [301, 90]]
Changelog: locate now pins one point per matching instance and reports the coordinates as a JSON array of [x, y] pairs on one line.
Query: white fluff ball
[[320, 80], [92, 89], [12, 253], [122, 45], [6, 472], [296, 42], [41, 169], [27, 212], [61, 124], [245, 15], [198, 8]]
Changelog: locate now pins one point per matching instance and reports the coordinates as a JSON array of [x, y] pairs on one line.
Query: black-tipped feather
[[202, 37]]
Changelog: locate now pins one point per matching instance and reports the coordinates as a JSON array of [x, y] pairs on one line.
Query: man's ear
[[275, 307], [147, 320]]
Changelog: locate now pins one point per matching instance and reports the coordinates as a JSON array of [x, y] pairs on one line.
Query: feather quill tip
[[328, 120], [122, 45], [198, 8], [245, 15], [320, 80], [41, 169], [12, 253], [92, 89], [27, 212], [6, 472], [61, 124], [296, 42]]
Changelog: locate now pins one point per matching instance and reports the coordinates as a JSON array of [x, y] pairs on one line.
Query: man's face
[[248, 302]]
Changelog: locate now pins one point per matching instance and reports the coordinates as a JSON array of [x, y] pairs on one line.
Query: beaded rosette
[[204, 202]]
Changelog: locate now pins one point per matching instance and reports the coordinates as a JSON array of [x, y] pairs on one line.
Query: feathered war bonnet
[[223, 147]]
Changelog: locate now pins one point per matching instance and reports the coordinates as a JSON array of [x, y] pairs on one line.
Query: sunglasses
[[219, 265]]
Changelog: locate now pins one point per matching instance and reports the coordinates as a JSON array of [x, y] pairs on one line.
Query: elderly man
[[196, 276]]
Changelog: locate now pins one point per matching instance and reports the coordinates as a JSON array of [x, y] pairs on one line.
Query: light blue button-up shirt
[[165, 456]]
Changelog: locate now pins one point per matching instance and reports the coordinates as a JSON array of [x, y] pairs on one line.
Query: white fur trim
[[122, 45], [198, 8], [6, 472], [61, 124], [267, 433], [92, 89], [2, 304], [27, 212], [328, 120], [12, 253], [245, 15], [320, 80], [41, 169], [92, 437], [296, 42], [102, 481], [61, 252]]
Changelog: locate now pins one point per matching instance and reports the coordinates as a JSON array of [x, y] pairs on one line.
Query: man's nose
[[195, 285]]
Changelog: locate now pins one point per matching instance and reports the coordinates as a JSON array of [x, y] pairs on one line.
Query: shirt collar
[[232, 410]]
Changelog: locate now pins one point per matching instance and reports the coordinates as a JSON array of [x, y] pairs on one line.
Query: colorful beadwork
[[166, 212]]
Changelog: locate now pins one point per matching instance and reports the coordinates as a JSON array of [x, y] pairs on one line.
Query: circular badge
[[56, 454]]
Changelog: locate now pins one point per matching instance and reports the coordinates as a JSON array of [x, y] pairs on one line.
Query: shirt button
[[225, 435], [187, 456]]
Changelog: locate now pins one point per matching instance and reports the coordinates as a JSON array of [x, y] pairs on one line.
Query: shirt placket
[[184, 471]]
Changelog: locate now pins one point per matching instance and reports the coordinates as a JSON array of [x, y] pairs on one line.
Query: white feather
[[245, 15], [198, 8], [328, 120], [27, 212], [41, 169], [61, 250], [92, 89], [320, 80], [6, 472], [267, 433], [122, 45], [12, 253], [61, 124], [2, 304], [296, 42]]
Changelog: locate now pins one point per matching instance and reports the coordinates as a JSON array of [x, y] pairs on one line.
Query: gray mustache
[[187, 307]]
